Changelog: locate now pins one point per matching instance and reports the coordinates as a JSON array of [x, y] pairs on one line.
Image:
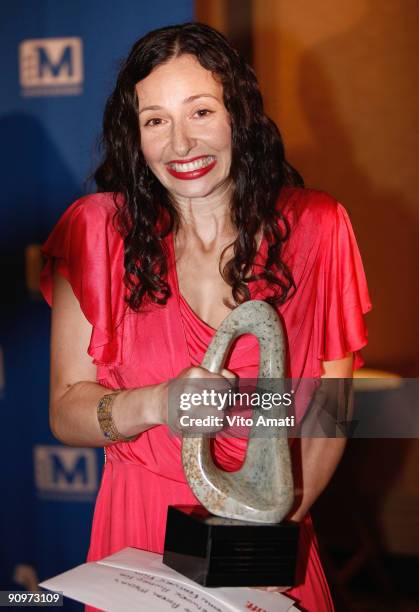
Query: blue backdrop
[[59, 62]]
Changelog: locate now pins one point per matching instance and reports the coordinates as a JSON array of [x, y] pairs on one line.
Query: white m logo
[[51, 63], [60, 469]]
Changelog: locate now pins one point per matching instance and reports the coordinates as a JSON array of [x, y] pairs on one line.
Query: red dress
[[323, 321]]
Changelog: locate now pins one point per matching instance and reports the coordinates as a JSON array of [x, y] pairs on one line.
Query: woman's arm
[[74, 394], [318, 457]]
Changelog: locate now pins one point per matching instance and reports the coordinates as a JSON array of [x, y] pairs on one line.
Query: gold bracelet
[[106, 422]]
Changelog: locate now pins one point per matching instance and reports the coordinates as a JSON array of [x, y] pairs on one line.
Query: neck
[[206, 219]]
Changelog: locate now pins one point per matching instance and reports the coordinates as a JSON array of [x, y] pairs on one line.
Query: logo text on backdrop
[[64, 473], [51, 66]]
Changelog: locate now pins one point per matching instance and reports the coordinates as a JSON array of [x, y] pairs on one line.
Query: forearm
[[316, 460], [73, 415]]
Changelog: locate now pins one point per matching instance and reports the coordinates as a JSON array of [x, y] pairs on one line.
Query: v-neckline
[[180, 296]]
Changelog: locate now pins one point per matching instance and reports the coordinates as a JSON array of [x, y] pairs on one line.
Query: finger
[[228, 374], [277, 589], [272, 589]]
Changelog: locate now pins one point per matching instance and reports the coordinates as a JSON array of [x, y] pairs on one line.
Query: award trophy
[[237, 537]]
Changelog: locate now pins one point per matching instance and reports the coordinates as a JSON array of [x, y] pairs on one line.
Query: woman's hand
[[273, 589], [196, 400]]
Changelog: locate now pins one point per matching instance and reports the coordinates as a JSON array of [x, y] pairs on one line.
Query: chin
[[194, 192], [190, 190], [196, 189]]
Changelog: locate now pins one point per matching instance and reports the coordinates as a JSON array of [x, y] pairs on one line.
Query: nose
[[182, 141]]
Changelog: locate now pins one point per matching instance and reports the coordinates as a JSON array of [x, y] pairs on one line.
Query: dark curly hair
[[146, 213]]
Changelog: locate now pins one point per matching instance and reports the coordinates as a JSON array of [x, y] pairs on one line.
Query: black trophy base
[[217, 552]]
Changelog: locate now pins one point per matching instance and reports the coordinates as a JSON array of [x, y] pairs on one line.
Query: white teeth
[[195, 165]]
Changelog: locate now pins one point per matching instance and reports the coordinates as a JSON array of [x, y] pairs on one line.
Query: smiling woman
[[197, 211], [186, 137]]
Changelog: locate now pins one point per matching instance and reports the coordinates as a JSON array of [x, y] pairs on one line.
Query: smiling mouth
[[191, 166]]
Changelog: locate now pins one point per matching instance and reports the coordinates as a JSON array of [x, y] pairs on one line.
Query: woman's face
[[185, 128]]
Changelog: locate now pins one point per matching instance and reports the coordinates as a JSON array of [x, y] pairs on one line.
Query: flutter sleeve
[[342, 292], [88, 251]]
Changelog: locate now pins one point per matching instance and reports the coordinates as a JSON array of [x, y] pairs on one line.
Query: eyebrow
[[185, 101]]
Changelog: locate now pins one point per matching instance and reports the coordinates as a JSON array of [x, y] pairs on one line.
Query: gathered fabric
[[323, 321]]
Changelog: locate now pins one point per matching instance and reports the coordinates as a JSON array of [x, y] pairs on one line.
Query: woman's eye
[[152, 122], [203, 112]]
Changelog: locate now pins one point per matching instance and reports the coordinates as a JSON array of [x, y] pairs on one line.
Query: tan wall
[[212, 12], [338, 78]]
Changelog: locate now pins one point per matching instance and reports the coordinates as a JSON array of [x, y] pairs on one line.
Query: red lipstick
[[190, 174]]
